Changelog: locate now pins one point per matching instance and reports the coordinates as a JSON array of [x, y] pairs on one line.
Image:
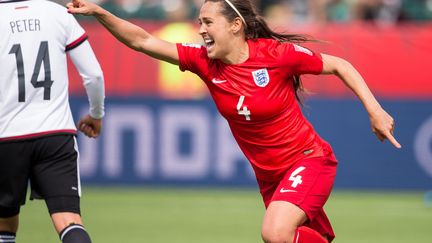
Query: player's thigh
[[14, 174], [55, 176], [281, 220]]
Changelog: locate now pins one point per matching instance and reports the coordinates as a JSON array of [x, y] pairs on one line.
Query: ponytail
[[260, 29]]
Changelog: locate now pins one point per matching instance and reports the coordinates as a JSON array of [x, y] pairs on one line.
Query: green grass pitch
[[208, 215]]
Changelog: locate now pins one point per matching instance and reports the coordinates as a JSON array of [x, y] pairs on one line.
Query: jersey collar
[[252, 48]]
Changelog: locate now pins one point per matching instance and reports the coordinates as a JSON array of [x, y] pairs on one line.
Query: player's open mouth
[[209, 43]]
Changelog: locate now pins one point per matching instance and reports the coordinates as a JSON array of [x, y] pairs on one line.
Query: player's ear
[[236, 25]]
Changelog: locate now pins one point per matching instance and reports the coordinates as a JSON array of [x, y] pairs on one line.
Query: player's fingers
[[94, 134], [76, 10], [379, 135], [392, 127], [86, 129], [76, 3], [97, 128], [82, 125], [89, 132], [77, 7], [392, 140], [72, 10]]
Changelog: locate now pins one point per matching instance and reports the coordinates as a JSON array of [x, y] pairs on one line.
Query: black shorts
[[49, 163]]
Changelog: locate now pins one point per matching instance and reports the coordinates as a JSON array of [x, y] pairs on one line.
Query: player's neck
[[239, 53]]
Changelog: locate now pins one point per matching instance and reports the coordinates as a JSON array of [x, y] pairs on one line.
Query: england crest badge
[[261, 77]]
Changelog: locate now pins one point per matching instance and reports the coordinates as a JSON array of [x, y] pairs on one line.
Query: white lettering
[[423, 146], [191, 142], [194, 164], [228, 153], [243, 110], [133, 118], [296, 178]]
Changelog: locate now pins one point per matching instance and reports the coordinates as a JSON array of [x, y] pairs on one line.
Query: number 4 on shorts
[[295, 177]]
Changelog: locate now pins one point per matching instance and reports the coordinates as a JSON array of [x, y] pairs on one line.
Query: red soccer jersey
[[257, 98]]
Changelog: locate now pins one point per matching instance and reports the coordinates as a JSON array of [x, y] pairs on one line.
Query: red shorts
[[307, 184]]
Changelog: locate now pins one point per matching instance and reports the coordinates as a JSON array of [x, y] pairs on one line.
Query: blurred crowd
[[283, 11]]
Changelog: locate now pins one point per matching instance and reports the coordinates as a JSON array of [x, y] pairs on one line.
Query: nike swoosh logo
[[215, 81], [284, 191]]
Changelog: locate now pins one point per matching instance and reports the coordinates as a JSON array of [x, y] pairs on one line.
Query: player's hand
[[90, 126], [82, 7], [383, 126]]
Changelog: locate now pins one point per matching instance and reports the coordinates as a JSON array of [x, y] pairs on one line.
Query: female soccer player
[[253, 76]]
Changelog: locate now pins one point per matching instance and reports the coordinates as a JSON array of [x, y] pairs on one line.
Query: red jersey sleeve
[[192, 57], [300, 60]]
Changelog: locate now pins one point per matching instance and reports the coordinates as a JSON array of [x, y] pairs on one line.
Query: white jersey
[[35, 37]]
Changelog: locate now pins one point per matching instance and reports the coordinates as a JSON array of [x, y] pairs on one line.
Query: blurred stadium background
[[167, 169]]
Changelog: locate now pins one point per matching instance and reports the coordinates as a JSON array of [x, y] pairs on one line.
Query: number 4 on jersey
[[43, 56], [243, 110]]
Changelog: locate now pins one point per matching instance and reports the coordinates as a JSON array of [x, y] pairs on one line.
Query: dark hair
[[257, 27]]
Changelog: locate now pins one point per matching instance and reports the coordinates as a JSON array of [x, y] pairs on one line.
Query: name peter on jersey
[[24, 25]]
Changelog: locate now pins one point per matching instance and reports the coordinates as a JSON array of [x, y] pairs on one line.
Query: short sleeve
[[300, 60], [192, 57]]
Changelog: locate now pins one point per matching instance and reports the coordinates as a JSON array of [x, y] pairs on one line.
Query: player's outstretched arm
[[130, 34], [381, 122]]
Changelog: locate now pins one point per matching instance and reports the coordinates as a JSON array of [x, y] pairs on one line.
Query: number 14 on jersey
[[42, 58]]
